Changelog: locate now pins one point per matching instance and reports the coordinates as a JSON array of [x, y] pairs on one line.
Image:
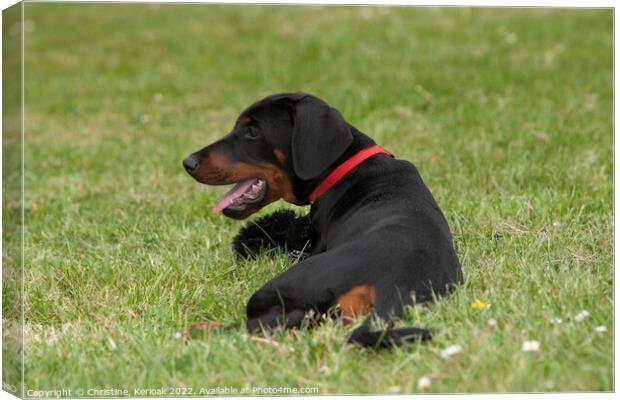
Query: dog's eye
[[251, 133]]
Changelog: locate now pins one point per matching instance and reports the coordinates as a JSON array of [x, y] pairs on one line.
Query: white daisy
[[451, 350], [424, 382], [581, 315], [530, 346]]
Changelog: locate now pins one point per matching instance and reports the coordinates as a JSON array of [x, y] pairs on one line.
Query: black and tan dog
[[379, 241]]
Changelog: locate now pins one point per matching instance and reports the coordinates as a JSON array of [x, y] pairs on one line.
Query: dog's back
[[386, 211]]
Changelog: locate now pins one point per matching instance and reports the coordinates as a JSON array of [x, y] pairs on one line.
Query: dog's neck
[[360, 185], [303, 189]]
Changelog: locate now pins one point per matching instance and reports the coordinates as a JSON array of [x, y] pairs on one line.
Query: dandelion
[[601, 329], [581, 315], [556, 321], [492, 323], [451, 350], [424, 382], [530, 346], [479, 305]]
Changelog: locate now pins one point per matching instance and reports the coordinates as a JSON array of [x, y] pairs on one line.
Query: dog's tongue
[[232, 194]]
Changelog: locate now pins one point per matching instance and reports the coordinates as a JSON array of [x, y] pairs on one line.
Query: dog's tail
[[365, 336]]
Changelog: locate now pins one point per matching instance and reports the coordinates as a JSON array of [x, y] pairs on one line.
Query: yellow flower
[[479, 305]]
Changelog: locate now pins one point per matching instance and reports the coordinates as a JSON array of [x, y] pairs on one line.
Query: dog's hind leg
[[387, 310]]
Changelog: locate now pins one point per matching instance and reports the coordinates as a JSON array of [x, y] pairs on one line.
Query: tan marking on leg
[[357, 302]]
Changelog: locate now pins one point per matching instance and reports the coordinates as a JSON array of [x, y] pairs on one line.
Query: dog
[[379, 241]]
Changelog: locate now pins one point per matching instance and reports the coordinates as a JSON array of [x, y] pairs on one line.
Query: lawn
[[507, 113]]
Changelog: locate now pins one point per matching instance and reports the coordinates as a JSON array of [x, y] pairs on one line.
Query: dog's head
[[276, 145]]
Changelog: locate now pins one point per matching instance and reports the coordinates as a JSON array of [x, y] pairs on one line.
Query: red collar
[[344, 168]]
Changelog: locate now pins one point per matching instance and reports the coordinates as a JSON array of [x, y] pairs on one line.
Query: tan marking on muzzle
[[216, 169]]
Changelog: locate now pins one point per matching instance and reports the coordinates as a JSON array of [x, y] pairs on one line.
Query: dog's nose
[[190, 164]]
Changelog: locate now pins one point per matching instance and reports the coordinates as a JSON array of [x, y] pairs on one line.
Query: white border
[[505, 3]]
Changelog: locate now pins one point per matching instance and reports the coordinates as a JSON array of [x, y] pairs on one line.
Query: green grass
[[507, 113]]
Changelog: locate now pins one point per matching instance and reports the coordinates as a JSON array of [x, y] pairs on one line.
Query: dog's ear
[[320, 136]]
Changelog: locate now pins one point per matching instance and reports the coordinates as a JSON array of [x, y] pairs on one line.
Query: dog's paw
[[299, 238], [265, 233]]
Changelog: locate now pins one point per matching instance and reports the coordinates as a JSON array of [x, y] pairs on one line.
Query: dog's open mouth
[[243, 198]]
